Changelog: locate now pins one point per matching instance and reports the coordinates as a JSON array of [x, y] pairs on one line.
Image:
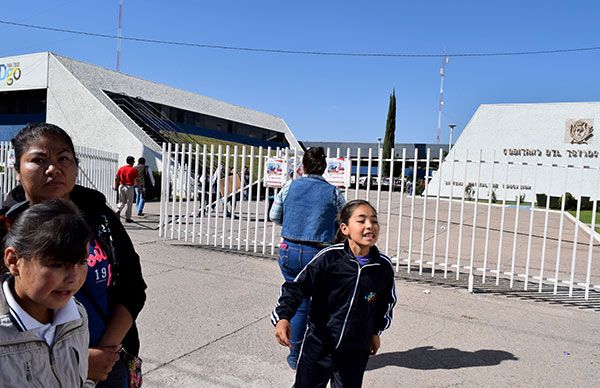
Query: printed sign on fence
[[275, 172], [297, 163], [338, 172], [11, 160]]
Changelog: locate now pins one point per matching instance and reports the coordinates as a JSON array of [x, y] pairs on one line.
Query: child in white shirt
[[43, 330]]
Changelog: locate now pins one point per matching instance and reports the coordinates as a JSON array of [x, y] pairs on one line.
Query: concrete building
[[107, 110], [407, 150], [520, 150]]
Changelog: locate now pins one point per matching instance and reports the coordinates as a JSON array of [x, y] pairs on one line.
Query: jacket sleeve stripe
[[274, 315], [387, 318], [388, 314]]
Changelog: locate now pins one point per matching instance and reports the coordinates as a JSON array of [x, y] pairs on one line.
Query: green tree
[[390, 134]]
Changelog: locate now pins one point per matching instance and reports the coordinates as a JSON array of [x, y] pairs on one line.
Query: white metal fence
[[97, 170], [473, 233], [7, 174]]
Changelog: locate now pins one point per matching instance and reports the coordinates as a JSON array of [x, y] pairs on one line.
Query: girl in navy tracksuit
[[352, 289]]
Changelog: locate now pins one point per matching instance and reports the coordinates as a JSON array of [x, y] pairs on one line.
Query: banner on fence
[[11, 159], [338, 172], [276, 172]]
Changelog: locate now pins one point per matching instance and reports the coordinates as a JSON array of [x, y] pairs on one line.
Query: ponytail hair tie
[[7, 219], [5, 225], [16, 210]]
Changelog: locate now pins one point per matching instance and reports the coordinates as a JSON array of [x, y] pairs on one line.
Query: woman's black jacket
[[127, 284]]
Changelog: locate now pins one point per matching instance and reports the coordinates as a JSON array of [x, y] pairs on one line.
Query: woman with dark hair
[[306, 208], [114, 291]]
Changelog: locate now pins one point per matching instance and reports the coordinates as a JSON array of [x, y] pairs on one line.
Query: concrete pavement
[[206, 324]]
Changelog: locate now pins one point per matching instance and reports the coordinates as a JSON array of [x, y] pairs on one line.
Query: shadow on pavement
[[428, 358]]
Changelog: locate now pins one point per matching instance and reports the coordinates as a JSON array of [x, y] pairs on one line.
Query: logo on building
[[579, 131], [10, 73]]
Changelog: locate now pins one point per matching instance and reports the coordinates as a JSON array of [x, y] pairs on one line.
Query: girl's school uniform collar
[[373, 254], [26, 322]]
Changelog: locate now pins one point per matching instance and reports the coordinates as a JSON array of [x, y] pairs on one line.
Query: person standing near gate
[[145, 184], [125, 182], [306, 208]]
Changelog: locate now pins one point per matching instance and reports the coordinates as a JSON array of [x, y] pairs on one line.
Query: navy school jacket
[[349, 302]]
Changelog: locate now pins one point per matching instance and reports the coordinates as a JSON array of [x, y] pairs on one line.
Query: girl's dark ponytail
[[6, 222], [339, 236], [51, 230]]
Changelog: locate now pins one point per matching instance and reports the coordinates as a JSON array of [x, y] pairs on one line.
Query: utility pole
[[119, 36], [445, 60]]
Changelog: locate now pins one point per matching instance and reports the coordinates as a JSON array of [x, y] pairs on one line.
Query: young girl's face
[[362, 230], [45, 285]]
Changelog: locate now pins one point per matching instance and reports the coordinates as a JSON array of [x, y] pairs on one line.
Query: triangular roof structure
[[79, 100]]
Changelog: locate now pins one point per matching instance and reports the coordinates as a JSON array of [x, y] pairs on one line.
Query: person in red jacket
[[125, 183]]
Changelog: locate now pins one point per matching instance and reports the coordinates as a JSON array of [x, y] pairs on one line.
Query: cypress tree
[[390, 134]]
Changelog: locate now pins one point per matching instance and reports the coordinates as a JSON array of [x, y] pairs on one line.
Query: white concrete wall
[[72, 107], [536, 140]]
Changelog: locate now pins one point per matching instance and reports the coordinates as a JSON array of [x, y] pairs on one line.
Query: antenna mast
[[441, 107], [119, 36]]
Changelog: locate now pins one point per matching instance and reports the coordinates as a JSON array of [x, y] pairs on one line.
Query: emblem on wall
[[579, 131]]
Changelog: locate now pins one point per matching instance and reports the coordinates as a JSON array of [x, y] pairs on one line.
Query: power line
[[301, 52], [456, 121]]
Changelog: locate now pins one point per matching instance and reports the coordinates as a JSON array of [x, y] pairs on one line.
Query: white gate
[[474, 232]]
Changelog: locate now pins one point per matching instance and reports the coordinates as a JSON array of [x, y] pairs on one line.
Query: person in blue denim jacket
[[306, 208]]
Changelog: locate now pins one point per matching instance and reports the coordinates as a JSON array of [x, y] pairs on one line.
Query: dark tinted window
[[23, 102]]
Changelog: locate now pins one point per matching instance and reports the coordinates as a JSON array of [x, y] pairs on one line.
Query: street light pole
[[378, 143], [451, 126]]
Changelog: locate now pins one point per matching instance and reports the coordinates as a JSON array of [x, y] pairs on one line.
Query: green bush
[[554, 201], [586, 203], [570, 202], [540, 199]]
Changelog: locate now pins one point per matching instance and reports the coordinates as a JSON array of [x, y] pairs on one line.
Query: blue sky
[[335, 98]]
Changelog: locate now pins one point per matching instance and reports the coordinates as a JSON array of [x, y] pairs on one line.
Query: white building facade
[[520, 150], [87, 101]]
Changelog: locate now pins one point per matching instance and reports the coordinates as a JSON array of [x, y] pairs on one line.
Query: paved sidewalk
[[206, 324]]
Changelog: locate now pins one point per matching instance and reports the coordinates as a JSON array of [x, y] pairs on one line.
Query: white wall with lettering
[[511, 150], [22, 72]]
